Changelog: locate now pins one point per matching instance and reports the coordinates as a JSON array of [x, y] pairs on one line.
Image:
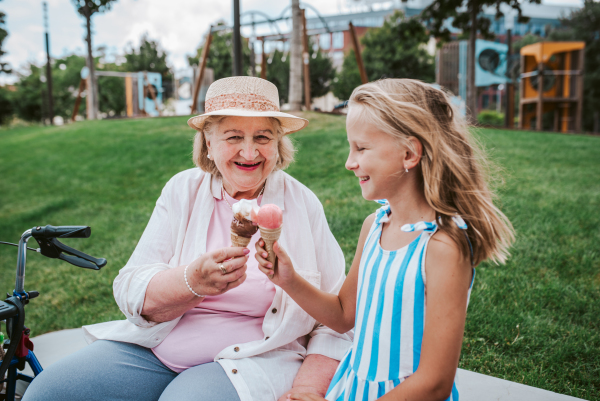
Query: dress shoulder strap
[[382, 216], [431, 227]]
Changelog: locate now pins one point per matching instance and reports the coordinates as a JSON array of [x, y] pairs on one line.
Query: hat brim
[[289, 122]]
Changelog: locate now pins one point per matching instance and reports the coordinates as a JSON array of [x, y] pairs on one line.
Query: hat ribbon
[[246, 101]]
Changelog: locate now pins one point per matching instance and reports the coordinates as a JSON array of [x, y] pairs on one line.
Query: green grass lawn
[[535, 320]]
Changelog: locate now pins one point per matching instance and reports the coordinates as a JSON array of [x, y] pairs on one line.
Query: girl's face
[[245, 151], [375, 158]]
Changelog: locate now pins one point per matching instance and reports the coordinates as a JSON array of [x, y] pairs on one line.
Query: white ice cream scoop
[[244, 207]]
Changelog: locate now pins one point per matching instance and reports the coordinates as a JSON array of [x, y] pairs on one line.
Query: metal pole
[[471, 88], [48, 67], [509, 95], [21, 260], [305, 58], [263, 61], [78, 99], [359, 61], [295, 88], [201, 68], [237, 43], [92, 93], [539, 106]]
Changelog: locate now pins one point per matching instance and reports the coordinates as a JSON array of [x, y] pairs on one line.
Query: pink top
[[220, 321]]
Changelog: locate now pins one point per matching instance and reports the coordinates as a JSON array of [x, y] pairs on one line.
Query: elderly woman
[[203, 323]]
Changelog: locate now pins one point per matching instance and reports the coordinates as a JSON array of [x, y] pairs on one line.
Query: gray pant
[[109, 370]]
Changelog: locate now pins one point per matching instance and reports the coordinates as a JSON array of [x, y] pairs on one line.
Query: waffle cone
[[270, 235], [238, 240]]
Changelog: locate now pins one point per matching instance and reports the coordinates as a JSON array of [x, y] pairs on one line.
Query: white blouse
[[260, 370]]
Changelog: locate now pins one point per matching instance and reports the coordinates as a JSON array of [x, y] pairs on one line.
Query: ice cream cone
[[270, 235], [238, 240]]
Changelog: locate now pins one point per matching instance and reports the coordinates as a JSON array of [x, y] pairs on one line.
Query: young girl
[[408, 288]]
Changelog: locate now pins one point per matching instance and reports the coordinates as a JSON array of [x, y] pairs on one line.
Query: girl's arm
[[314, 376], [448, 277], [334, 311]]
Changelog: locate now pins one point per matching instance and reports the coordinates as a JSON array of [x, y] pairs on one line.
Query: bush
[[491, 117], [6, 109]]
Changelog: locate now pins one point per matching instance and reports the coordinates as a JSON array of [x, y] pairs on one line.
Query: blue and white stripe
[[390, 316]]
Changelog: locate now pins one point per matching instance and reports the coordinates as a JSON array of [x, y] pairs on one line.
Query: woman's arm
[[148, 290], [167, 296], [334, 311]]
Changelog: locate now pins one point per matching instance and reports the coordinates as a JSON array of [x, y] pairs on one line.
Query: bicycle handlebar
[[50, 232]]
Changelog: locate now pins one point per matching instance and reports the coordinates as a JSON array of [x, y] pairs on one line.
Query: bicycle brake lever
[[53, 248], [74, 260]]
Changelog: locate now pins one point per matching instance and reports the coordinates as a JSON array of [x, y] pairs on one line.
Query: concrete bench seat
[[51, 347]]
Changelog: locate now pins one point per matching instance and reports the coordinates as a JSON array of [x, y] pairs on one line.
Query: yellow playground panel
[[552, 86]]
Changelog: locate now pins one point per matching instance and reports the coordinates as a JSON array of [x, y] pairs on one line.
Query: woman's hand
[[206, 277], [284, 275]]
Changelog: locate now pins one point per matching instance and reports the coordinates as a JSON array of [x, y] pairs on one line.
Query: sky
[[178, 25]]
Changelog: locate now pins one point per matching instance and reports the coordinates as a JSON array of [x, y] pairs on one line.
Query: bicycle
[[19, 349]]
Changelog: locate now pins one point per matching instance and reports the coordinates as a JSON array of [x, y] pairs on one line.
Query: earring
[[406, 169], [208, 156]]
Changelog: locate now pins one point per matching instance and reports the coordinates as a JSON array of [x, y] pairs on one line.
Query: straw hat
[[245, 97]]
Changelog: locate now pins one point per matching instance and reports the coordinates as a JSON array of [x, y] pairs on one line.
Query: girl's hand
[[305, 397], [298, 390], [206, 277], [284, 275]]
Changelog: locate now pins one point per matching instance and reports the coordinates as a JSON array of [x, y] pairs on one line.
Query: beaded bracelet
[[188, 284]]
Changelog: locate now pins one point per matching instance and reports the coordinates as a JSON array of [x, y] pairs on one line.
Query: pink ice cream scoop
[[269, 216]]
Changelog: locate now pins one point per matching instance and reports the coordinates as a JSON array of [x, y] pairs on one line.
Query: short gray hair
[[285, 146]]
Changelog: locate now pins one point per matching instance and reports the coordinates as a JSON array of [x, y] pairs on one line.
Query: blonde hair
[[454, 168], [285, 147]]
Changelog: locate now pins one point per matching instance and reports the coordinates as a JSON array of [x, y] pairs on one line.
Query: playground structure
[[143, 92], [310, 27], [556, 67], [184, 88], [490, 67], [552, 86]]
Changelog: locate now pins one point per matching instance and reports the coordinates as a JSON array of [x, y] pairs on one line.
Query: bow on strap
[[430, 226], [425, 226], [383, 214]]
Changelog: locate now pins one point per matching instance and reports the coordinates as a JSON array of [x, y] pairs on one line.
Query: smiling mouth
[[247, 165], [362, 180]]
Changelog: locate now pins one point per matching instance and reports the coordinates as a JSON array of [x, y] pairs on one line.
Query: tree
[[27, 100], [87, 8], [5, 103], [395, 50], [347, 78], [278, 73], [220, 55], [321, 73], [66, 76], [467, 16], [526, 40], [398, 49], [4, 67], [584, 24], [149, 57], [6, 109]]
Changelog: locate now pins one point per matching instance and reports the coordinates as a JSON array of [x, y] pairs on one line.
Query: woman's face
[[245, 152]]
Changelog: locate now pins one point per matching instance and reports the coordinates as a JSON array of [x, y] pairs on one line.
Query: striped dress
[[390, 315]]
